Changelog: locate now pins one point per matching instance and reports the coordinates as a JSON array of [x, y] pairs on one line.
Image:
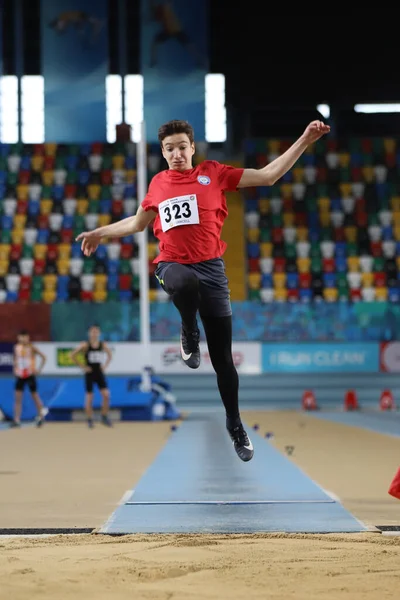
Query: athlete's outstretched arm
[[269, 174], [128, 226]]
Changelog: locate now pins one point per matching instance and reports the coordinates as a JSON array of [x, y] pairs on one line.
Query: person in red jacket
[[187, 206]]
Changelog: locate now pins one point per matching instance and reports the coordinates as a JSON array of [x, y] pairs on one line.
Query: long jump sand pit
[[355, 465]]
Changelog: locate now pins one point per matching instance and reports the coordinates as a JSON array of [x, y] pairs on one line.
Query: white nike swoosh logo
[[249, 447], [185, 356]]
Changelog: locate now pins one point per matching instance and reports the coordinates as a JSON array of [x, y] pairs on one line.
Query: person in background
[[25, 372], [97, 356]]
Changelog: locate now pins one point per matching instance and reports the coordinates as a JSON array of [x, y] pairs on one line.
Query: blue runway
[[197, 484], [386, 423]]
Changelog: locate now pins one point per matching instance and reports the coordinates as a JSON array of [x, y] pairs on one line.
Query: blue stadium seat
[[58, 192], [105, 206], [340, 249], [6, 222], [83, 176], [62, 282], [4, 150], [130, 162], [336, 204], [305, 295], [25, 164], [125, 295], [308, 160], [68, 222], [329, 280], [113, 266], [130, 191], [3, 177], [112, 282], [387, 232], [33, 208], [3, 190], [292, 281], [251, 205], [266, 280], [42, 236], [12, 297], [341, 264], [85, 149], [394, 294], [62, 295], [253, 250], [71, 162]]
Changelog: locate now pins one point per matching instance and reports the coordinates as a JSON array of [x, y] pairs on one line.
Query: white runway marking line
[[126, 497], [231, 502]]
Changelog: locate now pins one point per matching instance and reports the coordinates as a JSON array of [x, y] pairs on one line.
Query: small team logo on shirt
[[204, 179]]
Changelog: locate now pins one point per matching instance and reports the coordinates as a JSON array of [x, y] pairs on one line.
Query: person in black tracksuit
[[94, 365]]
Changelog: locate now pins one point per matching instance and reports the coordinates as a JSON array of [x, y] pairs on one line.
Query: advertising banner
[[174, 62], [320, 358], [74, 37], [6, 357], [390, 357]]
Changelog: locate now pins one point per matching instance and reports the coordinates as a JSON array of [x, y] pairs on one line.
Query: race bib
[[182, 210]]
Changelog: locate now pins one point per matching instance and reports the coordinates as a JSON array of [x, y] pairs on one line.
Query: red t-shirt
[[191, 209]]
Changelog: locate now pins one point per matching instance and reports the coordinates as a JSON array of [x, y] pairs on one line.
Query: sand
[[67, 476]]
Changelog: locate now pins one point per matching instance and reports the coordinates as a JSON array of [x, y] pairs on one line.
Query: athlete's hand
[[90, 241], [87, 369], [314, 131]]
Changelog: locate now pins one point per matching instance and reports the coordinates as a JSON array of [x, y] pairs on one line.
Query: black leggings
[[183, 287]]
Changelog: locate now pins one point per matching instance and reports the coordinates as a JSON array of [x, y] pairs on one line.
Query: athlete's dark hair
[[94, 325], [23, 332], [173, 127]]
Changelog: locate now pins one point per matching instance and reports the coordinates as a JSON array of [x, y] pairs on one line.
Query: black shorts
[[21, 382], [213, 284], [96, 377]]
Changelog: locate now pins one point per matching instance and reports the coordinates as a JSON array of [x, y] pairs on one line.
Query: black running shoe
[[105, 419], [190, 349], [241, 443], [90, 423]]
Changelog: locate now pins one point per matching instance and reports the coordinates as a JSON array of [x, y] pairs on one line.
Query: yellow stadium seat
[[46, 206], [324, 204], [130, 176], [22, 191], [37, 163], [100, 281], [369, 174], [3, 267], [63, 266], [367, 279], [273, 146], [351, 233], [303, 264], [50, 148], [396, 218], [345, 189], [104, 220], [40, 251], [17, 236], [389, 145], [253, 234], [99, 295], [5, 251], [94, 191], [48, 177], [395, 203], [49, 281], [266, 249], [152, 250], [64, 251], [118, 161], [353, 263], [381, 294], [344, 159], [331, 294], [298, 174], [302, 234], [82, 206], [152, 295], [288, 219], [396, 233], [263, 206], [19, 221], [286, 189], [280, 294], [398, 263], [254, 280], [279, 280], [49, 296], [325, 219]]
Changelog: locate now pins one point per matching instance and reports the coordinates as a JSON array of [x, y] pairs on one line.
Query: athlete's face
[[94, 333], [23, 339], [178, 151]]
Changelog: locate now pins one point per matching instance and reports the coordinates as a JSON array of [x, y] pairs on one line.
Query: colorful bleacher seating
[[49, 193], [330, 228]]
